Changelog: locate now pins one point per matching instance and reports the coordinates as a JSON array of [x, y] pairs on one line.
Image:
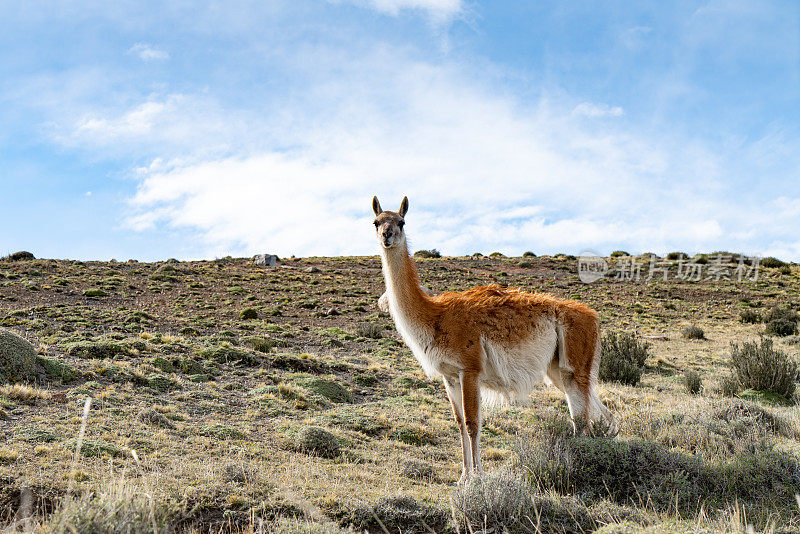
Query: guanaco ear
[[403, 207], [376, 206]]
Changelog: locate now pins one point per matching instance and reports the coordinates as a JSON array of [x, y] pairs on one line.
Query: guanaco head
[[389, 224]]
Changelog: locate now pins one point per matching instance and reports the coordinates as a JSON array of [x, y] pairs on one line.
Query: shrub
[[97, 349], [225, 353], [497, 255], [760, 367], [729, 386], [750, 316], [528, 254], [619, 253], [432, 253], [370, 330], [781, 322], [222, 432], [318, 441], [248, 313], [259, 343], [161, 382], [398, 514], [152, 417], [416, 469], [677, 256], [621, 470], [22, 255], [693, 382], [506, 502], [95, 293], [693, 332], [17, 358], [701, 259], [772, 262], [117, 506], [328, 388], [785, 270], [623, 357], [414, 435]]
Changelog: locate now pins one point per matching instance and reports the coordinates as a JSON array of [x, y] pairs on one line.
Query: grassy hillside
[[231, 396]]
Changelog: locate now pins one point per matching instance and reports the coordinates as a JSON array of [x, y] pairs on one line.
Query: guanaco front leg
[[453, 387], [471, 401]]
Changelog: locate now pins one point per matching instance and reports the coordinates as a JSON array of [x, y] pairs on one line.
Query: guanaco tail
[[491, 343]]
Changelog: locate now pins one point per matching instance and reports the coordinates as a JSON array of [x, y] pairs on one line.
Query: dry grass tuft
[[24, 393]]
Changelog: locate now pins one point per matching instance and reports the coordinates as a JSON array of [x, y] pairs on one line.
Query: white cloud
[[439, 10], [588, 109], [147, 52], [482, 173]]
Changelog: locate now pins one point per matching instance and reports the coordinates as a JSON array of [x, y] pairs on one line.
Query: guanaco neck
[[406, 297]]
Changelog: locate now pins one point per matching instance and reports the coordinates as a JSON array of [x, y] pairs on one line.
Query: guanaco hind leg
[[585, 407]]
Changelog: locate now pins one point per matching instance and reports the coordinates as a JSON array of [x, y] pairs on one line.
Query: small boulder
[[311, 269], [17, 358], [267, 260]]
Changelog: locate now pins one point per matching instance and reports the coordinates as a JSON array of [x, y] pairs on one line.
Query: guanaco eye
[[377, 224], [401, 224]]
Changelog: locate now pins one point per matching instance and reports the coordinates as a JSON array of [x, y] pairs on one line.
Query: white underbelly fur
[[510, 372]]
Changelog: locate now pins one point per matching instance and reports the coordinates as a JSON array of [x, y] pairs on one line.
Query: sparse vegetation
[[216, 407], [432, 253], [693, 382], [674, 256], [781, 322], [693, 332], [21, 255], [248, 313], [750, 317], [623, 357], [759, 366], [772, 262], [619, 254], [370, 330], [318, 441]]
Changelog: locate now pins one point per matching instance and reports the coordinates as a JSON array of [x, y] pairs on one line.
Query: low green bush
[[248, 313], [781, 322], [693, 332], [318, 441], [693, 382], [623, 357], [759, 366], [772, 262], [750, 317], [432, 253]]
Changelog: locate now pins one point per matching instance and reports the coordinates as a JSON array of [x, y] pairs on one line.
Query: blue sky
[[203, 129]]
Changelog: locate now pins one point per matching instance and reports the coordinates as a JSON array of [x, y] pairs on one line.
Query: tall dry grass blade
[[81, 433], [149, 493]]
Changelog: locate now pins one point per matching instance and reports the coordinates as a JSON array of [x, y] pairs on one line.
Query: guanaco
[[491, 343]]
